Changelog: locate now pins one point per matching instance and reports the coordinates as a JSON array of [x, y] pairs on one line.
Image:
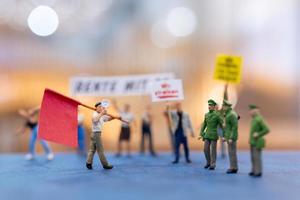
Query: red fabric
[[58, 119]]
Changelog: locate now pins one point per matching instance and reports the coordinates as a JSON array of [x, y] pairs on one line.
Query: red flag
[[58, 119]]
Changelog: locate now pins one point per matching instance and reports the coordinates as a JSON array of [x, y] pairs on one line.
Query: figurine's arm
[[34, 110], [234, 125], [111, 117], [190, 126], [97, 117], [203, 127], [264, 129], [169, 116], [115, 117], [23, 113]]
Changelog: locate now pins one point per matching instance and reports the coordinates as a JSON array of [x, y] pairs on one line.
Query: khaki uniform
[[257, 143], [210, 152], [231, 133], [209, 133], [96, 145]]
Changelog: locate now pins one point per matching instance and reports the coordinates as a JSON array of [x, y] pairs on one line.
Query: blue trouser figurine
[[81, 136], [180, 138], [32, 143]]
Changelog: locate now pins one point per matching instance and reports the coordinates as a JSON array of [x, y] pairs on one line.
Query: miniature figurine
[[209, 134], [81, 135], [147, 119], [257, 142], [180, 124], [221, 133], [231, 135], [31, 117], [126, 128], [100, 116]]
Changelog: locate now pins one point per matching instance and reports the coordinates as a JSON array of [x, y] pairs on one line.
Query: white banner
[[168, 90], [115, 85]]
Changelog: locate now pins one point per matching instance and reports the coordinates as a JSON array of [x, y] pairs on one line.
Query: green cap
[[212, 102], [253, 106], [226, 103]]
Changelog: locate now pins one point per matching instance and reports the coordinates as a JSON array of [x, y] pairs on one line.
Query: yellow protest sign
[[228, 68]]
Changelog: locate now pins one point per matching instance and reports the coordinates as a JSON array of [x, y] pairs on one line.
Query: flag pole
[[81, 104], [91, 108]]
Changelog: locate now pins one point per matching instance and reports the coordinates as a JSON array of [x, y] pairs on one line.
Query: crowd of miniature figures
[[219, 124]]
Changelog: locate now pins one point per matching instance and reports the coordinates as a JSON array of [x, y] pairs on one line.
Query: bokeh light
[[43, 21], [181, 21]]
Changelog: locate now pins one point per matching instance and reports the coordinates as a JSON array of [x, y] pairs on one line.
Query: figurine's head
[[99, 107], [226, 105], [211, 105], [126, 108], [253, 110]]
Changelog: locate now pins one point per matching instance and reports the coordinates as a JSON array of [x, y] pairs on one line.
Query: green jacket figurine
[[260, 129], [209, 129], [231, 124]]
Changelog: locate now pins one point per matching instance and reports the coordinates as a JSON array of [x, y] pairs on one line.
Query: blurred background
[[130, 37]]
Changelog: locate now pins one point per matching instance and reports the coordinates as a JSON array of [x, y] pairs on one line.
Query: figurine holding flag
[[56, 108], [99, 117]]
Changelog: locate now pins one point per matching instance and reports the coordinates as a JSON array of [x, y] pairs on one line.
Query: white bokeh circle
[[181, 21], [43, 21]]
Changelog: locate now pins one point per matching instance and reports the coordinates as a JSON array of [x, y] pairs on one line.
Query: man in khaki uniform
[[209, 134], [99, 117], [257, 142], [231, 135]]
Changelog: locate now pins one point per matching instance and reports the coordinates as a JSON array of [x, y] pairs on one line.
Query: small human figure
[[221, 133], [180, 125], [125, 133], [231, 135], [31, 117], [100, 116], [81, 135], [209, 134], [257, 142], [147, 119]]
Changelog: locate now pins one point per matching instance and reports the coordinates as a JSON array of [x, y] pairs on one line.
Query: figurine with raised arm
[[100, 116], [31, 117]]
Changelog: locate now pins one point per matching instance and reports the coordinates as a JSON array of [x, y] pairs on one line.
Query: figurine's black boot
[[212, 167], [251, 174], [206, 166], [232, 171], [108, 166], [89, 166]]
